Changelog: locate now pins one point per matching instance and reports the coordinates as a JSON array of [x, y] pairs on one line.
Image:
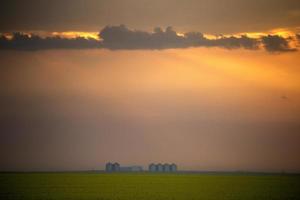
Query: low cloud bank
[[120, 37], [31, 42], [275, 43]]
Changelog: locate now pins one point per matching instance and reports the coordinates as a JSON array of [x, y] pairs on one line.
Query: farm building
[[166, 167], [152, 167], [112, 167], [116, 167], [173, 167], [162, 168], [131, 169], [108, 167], [159, 167]]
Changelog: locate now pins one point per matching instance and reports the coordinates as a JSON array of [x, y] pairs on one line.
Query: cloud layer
[[275, 43], [21, 41], [120, 37]]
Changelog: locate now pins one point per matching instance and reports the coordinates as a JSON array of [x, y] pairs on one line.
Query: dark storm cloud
[[275, 43], [32, 42], [120, 37]]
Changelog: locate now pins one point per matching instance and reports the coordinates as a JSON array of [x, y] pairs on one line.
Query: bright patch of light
[[74, 34]]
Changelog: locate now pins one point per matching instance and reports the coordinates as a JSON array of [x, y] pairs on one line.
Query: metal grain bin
[[152, 167], [173, 167], [166, 167], [108, 167], [159, 167], [115, 167]]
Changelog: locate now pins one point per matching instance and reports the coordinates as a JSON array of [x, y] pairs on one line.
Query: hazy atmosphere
[[209, 85]]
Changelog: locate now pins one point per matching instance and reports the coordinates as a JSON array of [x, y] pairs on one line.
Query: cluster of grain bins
[[162, 167], [112, 167], [116, 167]]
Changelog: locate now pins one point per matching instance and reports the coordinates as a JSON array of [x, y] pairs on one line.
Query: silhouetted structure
[[112, 167], [162, 168], [116, 167], [166, 167], [173, 167], [152, 167], [108, 167], [159, 167], [131, 169]]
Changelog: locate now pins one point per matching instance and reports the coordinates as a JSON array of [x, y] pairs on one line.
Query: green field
[[130, 186]]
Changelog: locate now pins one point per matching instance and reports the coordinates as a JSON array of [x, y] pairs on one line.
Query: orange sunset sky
[[220, 90]]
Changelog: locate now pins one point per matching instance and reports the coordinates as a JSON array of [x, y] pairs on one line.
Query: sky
[[208, 85]]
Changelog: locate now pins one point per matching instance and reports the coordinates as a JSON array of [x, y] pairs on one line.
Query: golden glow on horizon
[[282, 32], [75, 34], [180, 34], [66, 34], [215, 74], [210, 37], [8, 36], [245, 66]]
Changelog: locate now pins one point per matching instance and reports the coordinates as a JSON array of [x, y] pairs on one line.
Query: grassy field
[[148, 186]]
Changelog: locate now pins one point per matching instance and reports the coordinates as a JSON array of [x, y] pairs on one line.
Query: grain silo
[[108, 167], [152, 167], [173, 167], [115, 167], [166, 167], [159, 167]]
